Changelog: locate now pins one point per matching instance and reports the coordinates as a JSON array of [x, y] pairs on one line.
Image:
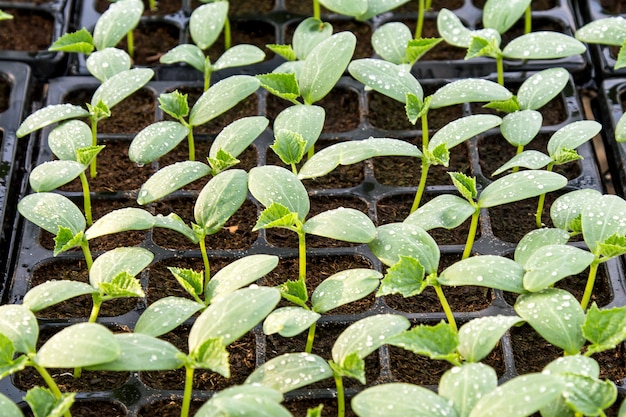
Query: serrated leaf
[[206, 23], [122, 285], [440, 155], [53, 292], [212, 354], [289, 146], [219, 199], [542, 87], [80, 42], [478, 337], [460, 130], [508, 106], [483, 47], [527, 159], [415, 108], [417, 48], [87, 154], [536, 239], [165, 314], [344, 287], [556, 315], [467, 91], [436, 342], [345, 224], [395, 81], [121, 85], [289, 321], [239, 56], [353, 367], [192, 281], [464, 385], [613, 246], [175, 104], [48, 115], [285, 51], [169, 179], [605, 328], [238, 274], [290, 371], [50, 175], [568, 207], [543, 45], [65, 240], [222, 161], [465, 184], [106, 63], [283, 85], [446, 211], [519, 186], [521, 127], [156, 140], [270, 184], [383, 400], [406, 278], [294, 291], [276, 215], [44, 403], [117, 20], [187, 53], [564, 156], [553, 263], [486, 271]]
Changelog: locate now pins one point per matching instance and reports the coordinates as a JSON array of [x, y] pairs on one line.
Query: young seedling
[[486, 42], [287, 206], [394, 42], [361, 10], [221, 324], [561, 150], [107, 95], [608, 31], [204, 35], [159, 138]]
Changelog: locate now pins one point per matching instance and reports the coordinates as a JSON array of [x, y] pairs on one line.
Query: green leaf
[[270, 184], [175, 104], [454, 33], [43, 402], [607, 31], [376, 7], [519, 397], [602, 219], [480, 46], [485, 271], [390, 42], [9, 408], [620, 62], [187, 53], [244, 400], [527, 159], [48, 115], [353, 8], [353, 367], [536, 239], [79, 345], [521, 127], [283, 85], [305, 120], [171, 178], [219, 199], [436, 342], [110, 264], [588, 396], [568, 207], [508, 106], [346, 153], [212, 354], [308, 34], [564, 156], [192, 281], [141, 352], [467, 91], [238, 274], [67, 138], [605, 329], [345, 224], [295, 291], [173, 222], [285, 51], [416, 108], [120, 220], [395, 81], [406, 278], [478, 337], [156, 140], [383, 400], [50, 175], [20, 326], [88, 154], [118, 19], [553, 263], [98, 111], [65, 240], [289, 146], [233, 315], [290, 371], [395, 240], [276, 215], [417, 48], [366, 335], [464, 385], [465, 184], [51, 211], [519, 186], [324, 65], [53, 292], [542, 87], [121, 85], [239, 56], [237, 136], [222, 161], [501, 15], [289, 321], [543, 45], [556, 315], [165, 315], [612, 247], [446, 211], [206, 23], [80, 42], [106, 63], [344, 287], [460, 130], [572, 135], [221, 97]]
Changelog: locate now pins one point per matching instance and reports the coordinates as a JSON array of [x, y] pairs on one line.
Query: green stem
[[94, 142], [227, 40], [425, 166], [528, 20], [500, 69], [192, 146], [341, 400], [86, 198], [205, 257], [519, 150], [301, 255], [95, 308], [294, 168], [310, 338], [316, 9], [87, 253], [471, 235], [420, 19], [184, 411], [311, 152], [207, 79], [591, 279], [131, 43], [54, 388], [541, 202], [446, 307]]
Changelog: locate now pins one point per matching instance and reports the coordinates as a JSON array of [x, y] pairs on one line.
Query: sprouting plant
[[221, 323], [397, 82], [19, 332], [561, 150], [159, 138], [287, 205], [5, 16], [607, 31], [486, 42], [111, 92], [204, 35]]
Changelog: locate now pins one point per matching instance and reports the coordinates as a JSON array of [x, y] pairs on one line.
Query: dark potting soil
[[168, 408], [163, 7], [248, 32], [436, 5], [93, 408], [613, 6], [5, 94], [537, 4], [241, 7], [151, 41], [17, 34], [299, 407]]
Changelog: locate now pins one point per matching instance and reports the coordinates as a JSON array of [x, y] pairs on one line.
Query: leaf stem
[[184, 411], [420, 19], [301, 255], [86, 198], [87, 253], [446, 307], [316, 9], [471, 235], [94, 142], [591, 279], [130, 40], [310, 338], [541, 202], [54, 388], [528, 20], [227, 35], [205, 258], [520, 149], [500, 69], [341, 400], [425, 166], [192, 146]]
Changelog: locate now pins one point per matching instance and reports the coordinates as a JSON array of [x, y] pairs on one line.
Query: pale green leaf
[[553, 263], [19, 325], [467, 91], [67, 138], [244, 400], [118, 19], [521, 127], [345, 224], [542, 87], [376, 7], [536, 239], [120, 220], [602, 219], [568, 207], [395, 81], [607, 31], [290, 371], [382, 400], [173, 222], [528, 159], [53, 292], [156, 140], [519, 186], [390, 41], [50, 175], [620, 129], [206, 23], [221, 97], [455, 33], [447, 211], [238, 135], [9, 408], [543, 45], [48, 115], [106, 63], [165, 315], [573, 135], [270, 184], [464, 385], [486, 271], [51, 211], [460, 130], [309, 33], [306, 120], [343, 288], [289, 321], [478, 337], [187, 53], [238, 274], [220, 198], [501, 15], [239, 56], [170, 178], [121, 85]]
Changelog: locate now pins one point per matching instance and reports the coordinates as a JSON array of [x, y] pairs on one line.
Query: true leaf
[[206, 23], [50, 175], [289, 146], [478, 337], [169, 179], [289, 321], [212, 354], [121, 85], [295, 291], [344, 287], [436, 342], [417, 48], [613, 246], [175, 104], [276, 215], [480, 46], [465, 184], [283, 85], [106, 63], [53, 292], [552, 263], [44, 403], [543, 45], [156, 140], [285, 51], [238, 56], [88, 154], [238, 274], [352, 367], [588, 396], [222, 161], [48, 115], [65, 240], [395, 81], [290, 371], [108, 265], [521, 127], [118, 19], [556, 315], [270, 184], [122, 285], [187, 53], [165, 314], [519, 186], [383, 400], [80, 42], [192, 281], [464, 385], [605, 328], [446, 211], [406, 278], [485, 271], [51, 211], [219, 199], [345, 224]]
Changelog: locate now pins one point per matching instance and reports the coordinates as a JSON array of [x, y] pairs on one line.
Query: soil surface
[[17, 33]]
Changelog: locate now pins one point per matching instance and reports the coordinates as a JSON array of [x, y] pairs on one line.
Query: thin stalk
[[301, 255], [184, 411], [541, 202], [95, 308], [446, 307], [341, 400], [86, 198], [316, 9], [425, 166], [420, 19], [87, 253], [205, 257], [192, 146], [310, 338], [94, 142], [591, 279], [294, 168], [54, 388], [130, 40], [227, 35], [519, 150], [207, 78], [471, 235], [528, 20], [311, 152], [500, 69]]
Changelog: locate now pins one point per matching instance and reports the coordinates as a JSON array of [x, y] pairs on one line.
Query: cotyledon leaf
[[51, 211], [49, 115], [170, 178], [392, 80], [156, 140], [290, 371], [383, 400]]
